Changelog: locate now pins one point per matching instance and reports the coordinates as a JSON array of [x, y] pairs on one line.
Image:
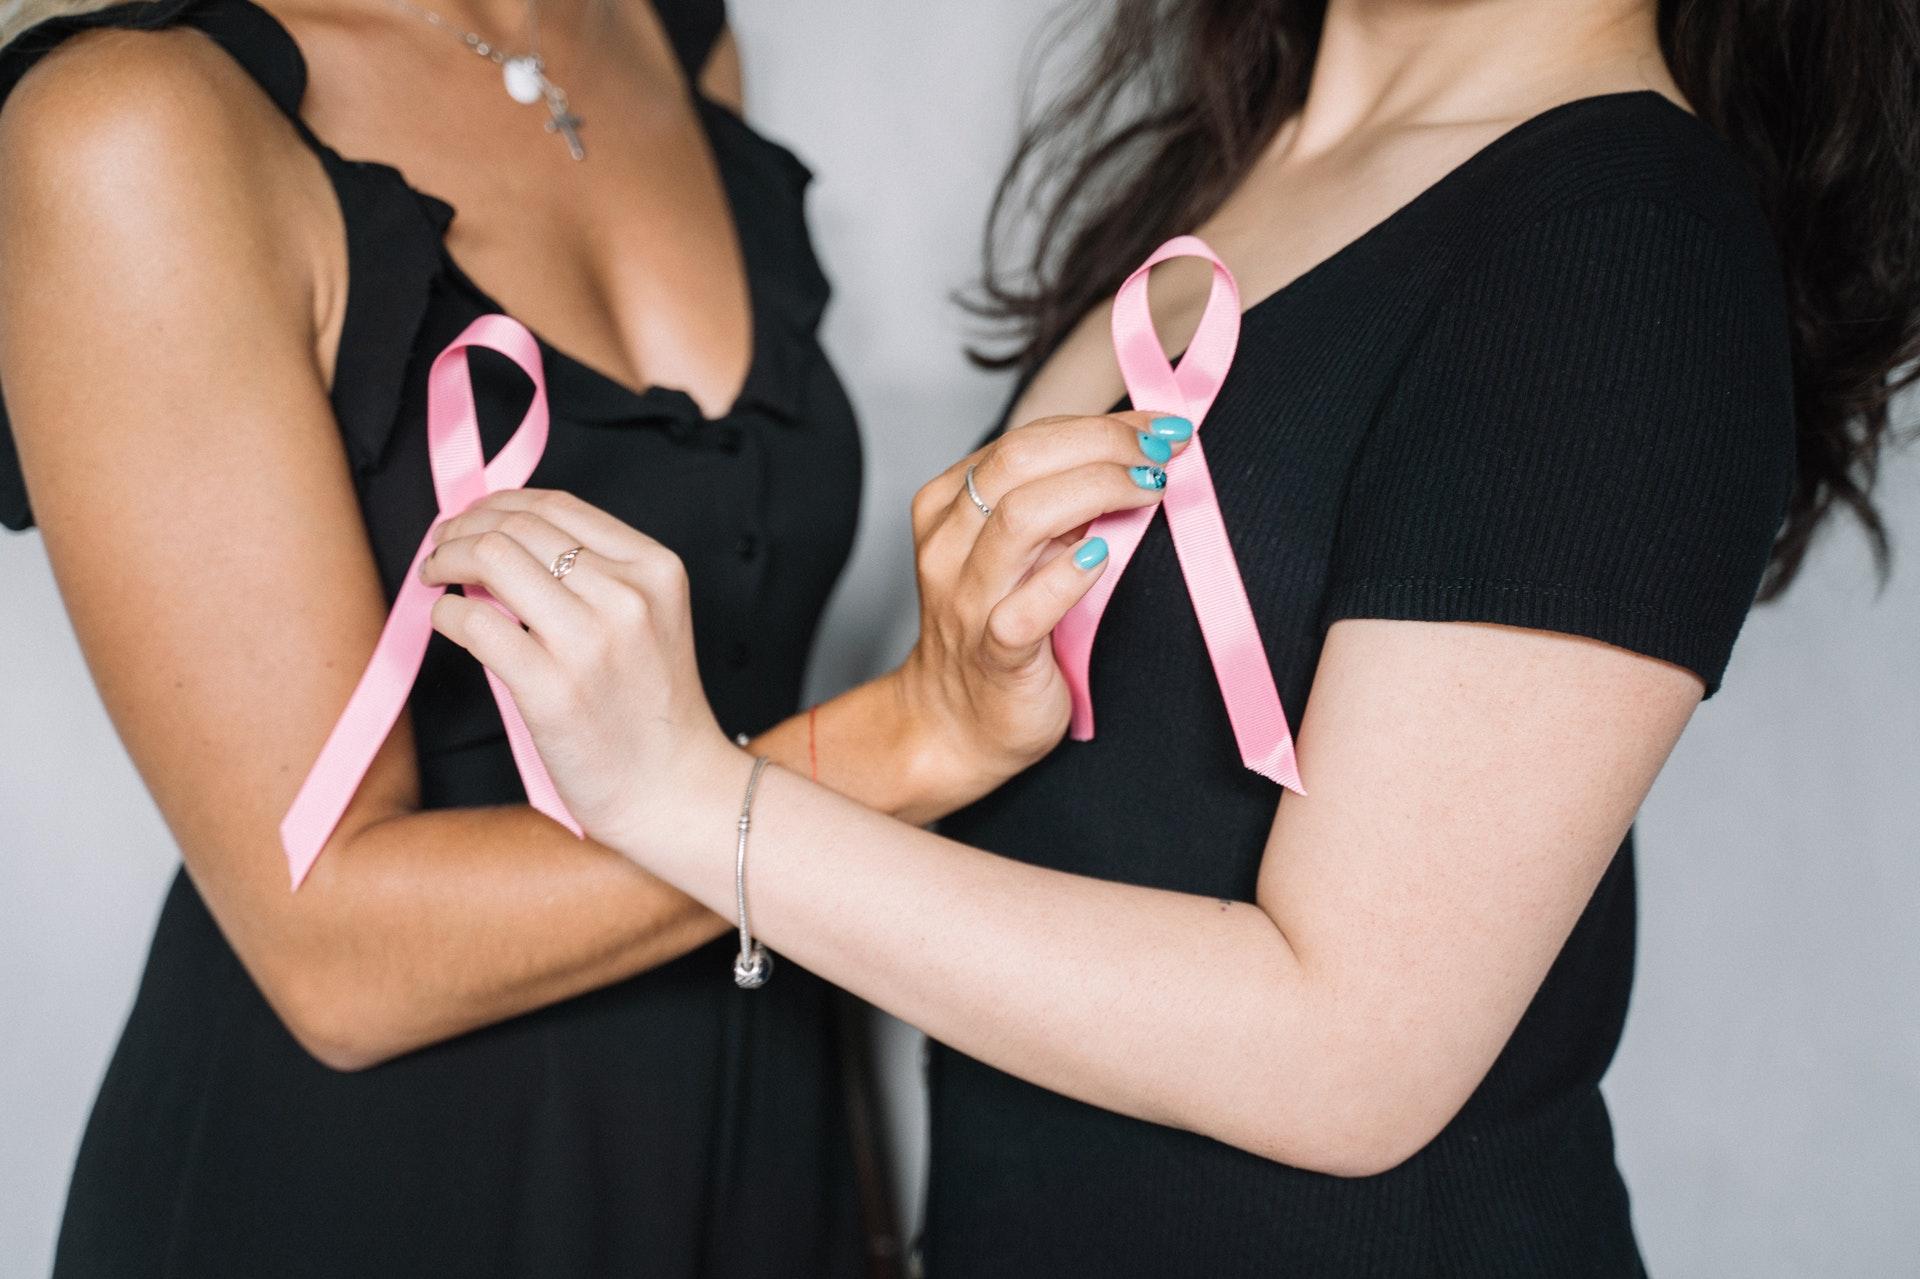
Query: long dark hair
[[1820, 98]]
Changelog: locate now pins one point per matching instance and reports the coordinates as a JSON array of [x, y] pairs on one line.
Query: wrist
[[941, 765], [670, 815]]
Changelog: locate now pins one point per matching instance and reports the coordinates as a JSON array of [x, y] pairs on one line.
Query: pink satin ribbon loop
[[1199, 532], [461, 476]]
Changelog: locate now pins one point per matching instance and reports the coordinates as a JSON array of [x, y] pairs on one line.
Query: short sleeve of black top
[[670, 1125], [1554, 392], [1612, 467]]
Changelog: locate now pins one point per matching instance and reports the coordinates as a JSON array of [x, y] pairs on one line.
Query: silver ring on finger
[[563, 562], [973, 492]]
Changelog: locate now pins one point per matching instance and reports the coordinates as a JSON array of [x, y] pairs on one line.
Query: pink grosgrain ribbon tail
[[1193, 518], [461, 477]]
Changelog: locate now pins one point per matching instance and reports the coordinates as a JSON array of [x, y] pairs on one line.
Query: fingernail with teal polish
[[1156, 450], [1148, 477], [1171, 428], [1092, 554]]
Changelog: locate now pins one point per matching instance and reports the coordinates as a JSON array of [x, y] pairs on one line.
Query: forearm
[[1405, 916], [449, 920], [1116, 995], [424, 926]]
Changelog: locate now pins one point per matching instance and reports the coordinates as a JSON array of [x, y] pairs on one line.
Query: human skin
[[171, 298], [1405, 914]]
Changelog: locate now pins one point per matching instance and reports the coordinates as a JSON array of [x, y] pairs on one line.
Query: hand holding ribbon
[[1193, 518], [461, 477]]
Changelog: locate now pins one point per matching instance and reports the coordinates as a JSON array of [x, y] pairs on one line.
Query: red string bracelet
[[813, 743]]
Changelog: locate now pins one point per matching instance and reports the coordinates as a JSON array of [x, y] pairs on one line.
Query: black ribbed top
[[1553, 392]]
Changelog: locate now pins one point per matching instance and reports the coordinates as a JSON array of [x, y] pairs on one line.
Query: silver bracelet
[[753, 965]]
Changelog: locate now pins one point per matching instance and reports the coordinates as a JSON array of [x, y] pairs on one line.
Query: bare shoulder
[[125, 130], [147, 173]]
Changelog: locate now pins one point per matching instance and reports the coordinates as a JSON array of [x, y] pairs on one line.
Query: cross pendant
[[565, 123]]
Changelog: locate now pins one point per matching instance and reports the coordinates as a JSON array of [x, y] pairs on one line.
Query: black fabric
[[1552, 392], [670, 1125], [693, 27]]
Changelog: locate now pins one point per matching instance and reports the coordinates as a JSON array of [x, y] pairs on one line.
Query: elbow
[[1368, 1154], [340, 1026], [1354, 1133], [1343, 1150], [342, 1054], [334, 1000]]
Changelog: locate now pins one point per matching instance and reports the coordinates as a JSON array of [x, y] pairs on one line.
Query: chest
[[627, 258], [1290, 217], [761, 506], [1285, 442]]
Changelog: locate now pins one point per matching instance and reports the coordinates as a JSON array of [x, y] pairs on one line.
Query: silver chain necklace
[[524, 74]]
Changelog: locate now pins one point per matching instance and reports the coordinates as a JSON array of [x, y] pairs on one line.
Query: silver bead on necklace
[[523, 74]]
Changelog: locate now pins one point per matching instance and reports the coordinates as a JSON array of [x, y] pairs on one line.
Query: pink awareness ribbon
[[1193, 518], [461, 477]]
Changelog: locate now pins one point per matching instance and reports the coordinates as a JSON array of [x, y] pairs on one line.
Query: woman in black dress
[[1569, 321], [471, 1044]]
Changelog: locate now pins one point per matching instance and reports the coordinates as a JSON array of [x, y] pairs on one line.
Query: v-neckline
[[757, 344], [1379, 230], [1459, 172], [704, 110]]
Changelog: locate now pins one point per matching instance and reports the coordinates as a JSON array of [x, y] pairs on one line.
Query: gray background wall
[[1768, 1094]]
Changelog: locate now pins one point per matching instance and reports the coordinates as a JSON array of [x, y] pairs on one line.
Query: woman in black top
[[1566, 321], [471, 1044]]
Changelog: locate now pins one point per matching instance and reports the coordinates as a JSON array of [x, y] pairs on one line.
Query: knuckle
[[493, 548], [1019, 451], [625, 604], [928, 520], [1123, 433], [522, 525], [1006, 626], [926, 503], [1079, 431], [1018, 513], [662, 572], [1058, 588]]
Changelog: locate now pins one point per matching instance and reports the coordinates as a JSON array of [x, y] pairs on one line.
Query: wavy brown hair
[[1819, 98]]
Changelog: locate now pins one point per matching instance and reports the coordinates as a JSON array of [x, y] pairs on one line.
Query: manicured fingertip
[[1148, 477], [1156, 449], [1170, 428], [1090, 554]]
